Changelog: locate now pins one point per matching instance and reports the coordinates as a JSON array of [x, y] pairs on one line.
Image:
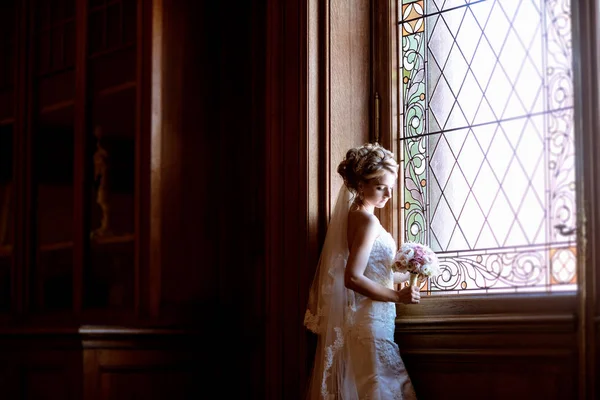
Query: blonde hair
[[365, 163]]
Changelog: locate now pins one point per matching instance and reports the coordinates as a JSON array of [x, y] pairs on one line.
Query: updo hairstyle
[[365, 163]]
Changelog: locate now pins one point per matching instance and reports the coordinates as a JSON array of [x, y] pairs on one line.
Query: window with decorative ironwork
[[487, 142]]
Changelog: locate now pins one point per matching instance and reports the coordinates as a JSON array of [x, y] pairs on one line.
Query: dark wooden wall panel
[[286, 179], [41, 383], [474, 376], [189, 239], [491, 356], [144, 373], [9, 381], [149, 384], [38, 368], [212, 206]]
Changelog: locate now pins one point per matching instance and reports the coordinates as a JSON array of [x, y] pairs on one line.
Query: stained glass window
[[487, 142]]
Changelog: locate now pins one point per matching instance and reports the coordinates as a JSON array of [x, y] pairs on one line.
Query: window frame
[[529, 308]]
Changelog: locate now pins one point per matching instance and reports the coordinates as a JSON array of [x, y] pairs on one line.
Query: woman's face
[[377, 191]]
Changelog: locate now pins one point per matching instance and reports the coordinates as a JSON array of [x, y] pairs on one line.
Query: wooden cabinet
[[51, 139], [70, 156]]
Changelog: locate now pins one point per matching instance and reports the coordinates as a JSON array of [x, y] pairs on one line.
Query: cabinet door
[[84, 133], [112, 96], [52, 136], [7, 146]]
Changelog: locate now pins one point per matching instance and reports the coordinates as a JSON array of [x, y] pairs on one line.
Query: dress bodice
[[379, 269], [379, 266]]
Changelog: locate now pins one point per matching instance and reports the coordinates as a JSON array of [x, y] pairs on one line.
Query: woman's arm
[[366, 232]]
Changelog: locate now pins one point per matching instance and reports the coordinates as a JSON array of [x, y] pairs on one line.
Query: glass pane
[[114, 30], [6, 213], [109, 277], [5, 286], [96, 37], [54, 179], [97, 3], [53, 156], [488, 142], [7, 60], [130, 21], [7, 92], [112, 26]]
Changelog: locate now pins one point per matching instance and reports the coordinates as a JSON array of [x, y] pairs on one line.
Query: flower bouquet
[[417, 259]]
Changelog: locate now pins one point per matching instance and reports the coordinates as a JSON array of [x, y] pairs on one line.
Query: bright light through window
[[487, 142]]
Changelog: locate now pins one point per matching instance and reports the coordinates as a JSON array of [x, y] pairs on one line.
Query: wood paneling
[[149, 383], [211, 181], [141, 371], [317, 107], [96, 362], [349, 43], [285, 197], [36, 369], [586, 16], [482, 375], [521, 356]]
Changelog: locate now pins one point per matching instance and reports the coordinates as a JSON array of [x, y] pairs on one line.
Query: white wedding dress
[[378, 369], [356, 357]]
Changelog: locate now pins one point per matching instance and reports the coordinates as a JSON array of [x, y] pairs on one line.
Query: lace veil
[[330, 311]]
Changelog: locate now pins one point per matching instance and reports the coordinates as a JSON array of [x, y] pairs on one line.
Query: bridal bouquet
[[417, 259]]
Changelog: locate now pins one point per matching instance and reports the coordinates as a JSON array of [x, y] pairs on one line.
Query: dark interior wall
[[213, 160]]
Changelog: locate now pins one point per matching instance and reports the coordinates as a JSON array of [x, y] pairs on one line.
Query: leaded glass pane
[[487, 142]]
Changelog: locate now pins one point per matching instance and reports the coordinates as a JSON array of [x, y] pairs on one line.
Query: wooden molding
[[86, 332], [500, 304], [587, 124], [149, 92], [117, 331], [155, 146], [481, 323], [488, 352], [382, 52]]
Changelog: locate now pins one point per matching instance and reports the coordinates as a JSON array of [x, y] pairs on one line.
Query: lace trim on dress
[[311, 321], [330, 352], [388, 355]]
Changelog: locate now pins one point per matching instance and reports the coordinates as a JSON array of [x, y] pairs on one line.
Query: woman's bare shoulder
[[362, 219], [363, 227]]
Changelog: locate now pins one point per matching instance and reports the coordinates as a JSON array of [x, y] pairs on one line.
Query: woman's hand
[[409, 295]]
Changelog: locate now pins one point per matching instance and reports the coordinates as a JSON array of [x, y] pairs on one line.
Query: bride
[[352, 299]]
